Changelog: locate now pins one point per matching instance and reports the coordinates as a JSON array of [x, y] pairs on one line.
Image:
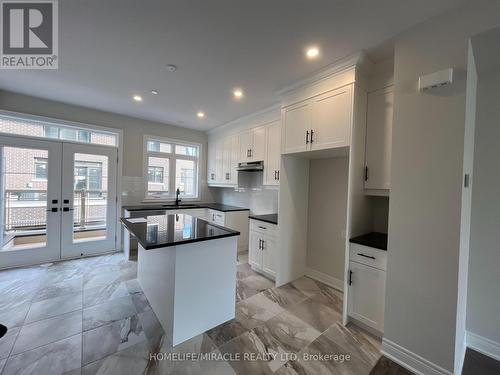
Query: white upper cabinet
[[379, 139], [273, 155], [321, 122], [223, 157], [211, 169], [296, 122], [331, 119], [253, 144]]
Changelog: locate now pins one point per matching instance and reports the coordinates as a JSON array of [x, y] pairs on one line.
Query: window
[[43, 129], [155, 175], [88, 176], [41, 168], [163, 156]]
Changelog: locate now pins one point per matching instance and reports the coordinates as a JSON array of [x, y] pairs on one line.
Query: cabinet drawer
[[368, 255], [216, 217], [262, 227]]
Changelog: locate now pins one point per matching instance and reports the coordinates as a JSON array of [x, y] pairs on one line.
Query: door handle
[[262, 227], [67, 209], [53, 209], [307, 137], [366, 256]]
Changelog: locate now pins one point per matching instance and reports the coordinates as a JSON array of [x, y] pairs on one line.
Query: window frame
[[40, 160], [155, 169], [172, 157]]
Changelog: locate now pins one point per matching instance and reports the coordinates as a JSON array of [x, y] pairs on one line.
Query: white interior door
[[30, 189], [88, 200]]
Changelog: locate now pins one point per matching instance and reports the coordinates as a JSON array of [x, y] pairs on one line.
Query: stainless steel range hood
[[252, 166]]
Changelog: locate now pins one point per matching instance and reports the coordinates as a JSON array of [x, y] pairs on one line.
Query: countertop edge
[[263, 220]]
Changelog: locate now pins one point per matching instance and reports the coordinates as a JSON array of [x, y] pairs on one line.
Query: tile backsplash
[[260, 200]]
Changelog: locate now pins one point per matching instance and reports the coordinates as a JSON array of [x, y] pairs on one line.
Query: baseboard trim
[[325, 279], [483, 345], [410, 360]]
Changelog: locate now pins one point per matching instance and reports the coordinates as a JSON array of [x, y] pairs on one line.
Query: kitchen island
[[187, 270]]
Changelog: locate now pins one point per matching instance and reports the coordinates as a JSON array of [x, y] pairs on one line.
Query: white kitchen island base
[[190, 287]]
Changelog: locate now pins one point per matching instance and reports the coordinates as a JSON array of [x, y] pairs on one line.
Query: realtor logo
[[29, 34]]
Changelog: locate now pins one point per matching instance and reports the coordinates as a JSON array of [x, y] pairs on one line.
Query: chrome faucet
[[177, 199]]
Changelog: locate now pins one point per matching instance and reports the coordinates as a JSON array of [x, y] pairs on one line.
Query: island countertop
[[214, 206], [155, 231]]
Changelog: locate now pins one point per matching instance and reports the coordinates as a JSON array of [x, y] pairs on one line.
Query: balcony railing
[[26, 210]]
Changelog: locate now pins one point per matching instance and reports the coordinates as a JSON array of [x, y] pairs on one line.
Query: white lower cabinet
[[262, 247], [235, 220], [366, 279]]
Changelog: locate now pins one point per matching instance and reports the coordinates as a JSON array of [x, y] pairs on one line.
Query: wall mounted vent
[[437, 79]]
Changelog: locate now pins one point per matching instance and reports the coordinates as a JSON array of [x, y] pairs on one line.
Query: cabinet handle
[[366, 256], [278, 175], [263, 243], [307, 137], [366, 173], [312, 133], [260, 244], [350, 277], [251, 152], [275, 176]]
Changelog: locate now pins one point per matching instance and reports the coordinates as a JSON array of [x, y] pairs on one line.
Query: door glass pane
[[23, 186], [90, 197], [157, 177], [184, 176]]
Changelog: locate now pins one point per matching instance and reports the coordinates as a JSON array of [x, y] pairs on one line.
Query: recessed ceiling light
[[312, 52], [200, 114], [154, 92], [137, 98], [238, 93], [171, 67]]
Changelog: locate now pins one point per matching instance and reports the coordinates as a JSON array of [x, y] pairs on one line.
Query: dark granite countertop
[[373, 239], [157, 231], [214, 206], [268, 218]]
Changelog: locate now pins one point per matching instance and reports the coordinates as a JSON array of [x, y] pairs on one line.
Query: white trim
[[260, 117], [483, 345], [410, 360], [325, 279]]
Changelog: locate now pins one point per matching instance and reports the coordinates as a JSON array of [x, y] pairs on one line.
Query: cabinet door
[[258, 149], [235, 156], [226, 159], [245, 145], [255, 250], [379, 139], [269, 255], [219, 161], [332, 119], [211, 173], [273, 155], [296, 120], [367, 295]]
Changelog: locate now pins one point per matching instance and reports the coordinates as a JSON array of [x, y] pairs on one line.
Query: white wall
[[427, 158], [483, 305], [327, 216], [134, 131]]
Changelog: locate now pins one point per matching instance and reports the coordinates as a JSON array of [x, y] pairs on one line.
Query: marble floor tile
[[100, 279], [286, 333], [2, 364], [130, 361], [133, 286], [256, 310], [258, 282], [7, 342], [242, 258], [315, 313], [330, 297], [152, 329], [249, 355], [111, 338], [356, 341], [56, 358], [244, 270], [17, 295], [60, 289], [244, 291], [140, 302], [309, 362], [306, 285], [225, 332], [54, 306], [14, 317], [385, 366], [104, 293], [107, 312], [285, 295], [46, 331]]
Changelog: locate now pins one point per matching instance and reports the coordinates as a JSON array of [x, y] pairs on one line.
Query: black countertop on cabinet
[[214, 206], [373, 239], [268, 218], [155, 231]]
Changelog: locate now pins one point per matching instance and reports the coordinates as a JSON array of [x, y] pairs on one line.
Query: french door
[[57, 200]]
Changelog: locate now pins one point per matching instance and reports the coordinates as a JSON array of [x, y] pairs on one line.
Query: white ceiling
[[112, 49]]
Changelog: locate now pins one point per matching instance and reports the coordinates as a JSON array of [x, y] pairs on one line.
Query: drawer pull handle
[[262, 227], [366, 256]]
